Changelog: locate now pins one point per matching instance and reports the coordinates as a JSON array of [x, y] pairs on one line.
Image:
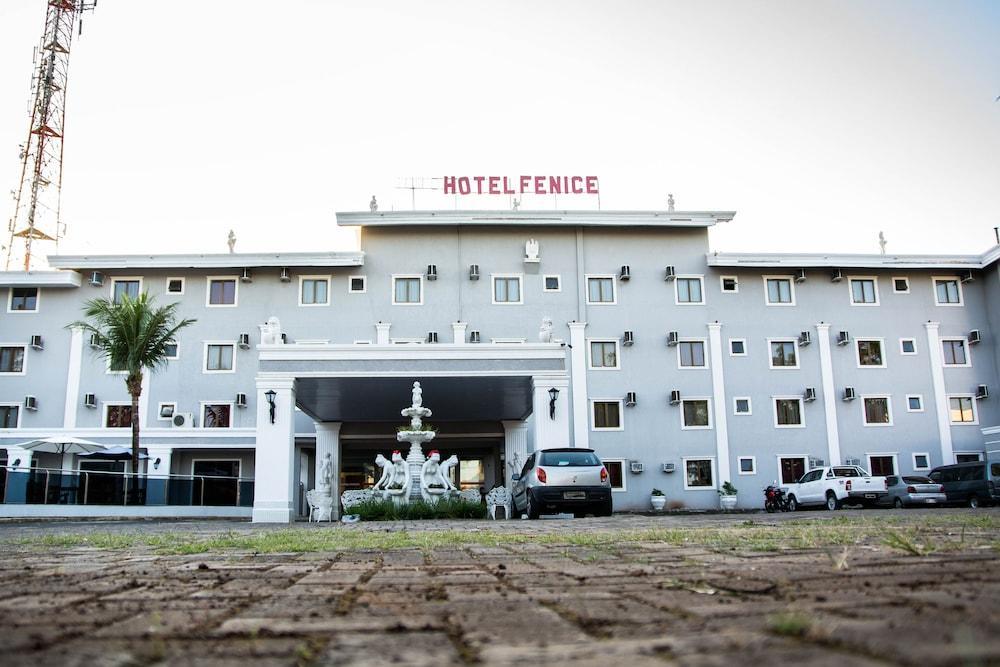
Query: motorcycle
[[775, 500]]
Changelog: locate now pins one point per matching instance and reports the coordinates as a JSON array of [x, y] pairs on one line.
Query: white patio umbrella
[[61, 444]]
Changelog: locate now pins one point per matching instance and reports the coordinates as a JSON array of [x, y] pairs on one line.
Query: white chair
[[498, 497], [320, 506], [354, 496]]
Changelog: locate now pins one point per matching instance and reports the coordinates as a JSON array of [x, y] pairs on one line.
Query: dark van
[[973, 484]]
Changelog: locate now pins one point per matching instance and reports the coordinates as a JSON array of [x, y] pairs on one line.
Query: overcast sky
[[820, 123]]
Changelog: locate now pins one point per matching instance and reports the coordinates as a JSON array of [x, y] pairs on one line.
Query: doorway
[[216, 482], [791, 468], [104, 486]]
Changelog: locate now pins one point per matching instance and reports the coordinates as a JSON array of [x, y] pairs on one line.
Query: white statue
[[545, 331], [324, 479], [400, 482], [881, 242], [270, 332], [373, 205], [418, 399], [516, 204], [531, 251], [231, 241], [670, 203], [387, 473], [445, 470], [430, 472]]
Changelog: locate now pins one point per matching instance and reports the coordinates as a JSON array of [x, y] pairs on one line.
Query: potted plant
[[727, 496], [657, 499]]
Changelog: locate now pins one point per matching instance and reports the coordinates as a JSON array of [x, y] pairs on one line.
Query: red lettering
[[539, 185], [592, 185], [449, 185], [525, 182], [463, 186], [577, 187], [479, 183], [555, 187], [494, 185], [507, 190]]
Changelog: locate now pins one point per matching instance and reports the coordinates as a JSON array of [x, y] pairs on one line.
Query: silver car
[[912, 490], [553, 481]]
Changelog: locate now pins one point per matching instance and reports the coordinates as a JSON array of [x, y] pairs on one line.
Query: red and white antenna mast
[[37, 198]]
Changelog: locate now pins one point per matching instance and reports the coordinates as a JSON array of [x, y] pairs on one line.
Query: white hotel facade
[[681, 367]]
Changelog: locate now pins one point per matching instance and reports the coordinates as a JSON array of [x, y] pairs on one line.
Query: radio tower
[[37, 199]]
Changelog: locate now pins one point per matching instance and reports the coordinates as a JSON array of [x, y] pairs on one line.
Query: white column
[[550, 431], [15, 453], [163, 454], [328, 442], [578, 371], [719, 402], [940, 393], [274, 481], [382, 333], [458, 332], [73, 377], [515, 449], [829, 394]]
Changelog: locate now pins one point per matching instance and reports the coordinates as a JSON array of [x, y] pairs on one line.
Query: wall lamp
[[156, 463], [269, 395], [17, 462], [553, 395]]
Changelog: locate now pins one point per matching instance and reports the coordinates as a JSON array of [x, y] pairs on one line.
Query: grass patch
[[790, 624]]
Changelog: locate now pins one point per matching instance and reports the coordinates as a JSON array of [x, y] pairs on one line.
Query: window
[[125, 286], [221, 292], [947, 292], [784, 354], [507, 289], [730, 284], [876, 411], [864, 291], [607, 415], [600, 289], [699, 474], [971, 458], [788, 413], [165, 411], [901, 285], [12, 359], [882, 465], [9, 415], [314, 291], [552, 284], [907, 346], [737, 347], [406, 291], [604, 354], [357, 284], [219, 358], [791, 468], [779, 291], [218, 481], [175, 286], [216, 415], [921, 461], [747, 465], [741, 405], [914, 403], [23, 300], [117, 416], [688, 291], [691, 354], [695, 414], [962, 410], [870, 353], [172, 350], [616, 470], [954, 352]]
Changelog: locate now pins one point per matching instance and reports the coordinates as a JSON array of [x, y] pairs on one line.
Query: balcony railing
[[44, 486]]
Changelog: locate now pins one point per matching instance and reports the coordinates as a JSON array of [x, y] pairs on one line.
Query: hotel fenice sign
[[521, 185]]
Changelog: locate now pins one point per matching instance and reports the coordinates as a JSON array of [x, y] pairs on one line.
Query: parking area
[[847, 587]]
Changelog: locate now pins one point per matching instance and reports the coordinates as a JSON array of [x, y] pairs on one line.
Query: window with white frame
[[869, 353], [695, 413], [730, 284], [784, 353], [691, 354], [607, 415], [908, 346], [23, 300], [175, 286], [407, 290], [12, 359], [947, 292], [117, 415], [955, 352], [604, 354], [219, 358], [221, 291], [779, 291], [125, 287], [901, 285], [921, 461], [165, 411], [699, 473], [970, 457], [551, 283], [216, 415], [742, 405], [747, 465], [962, 410], [10, 415], [876, 411], [616, 473], [788, 412], [600, 289], [688, 290], [914, 403], [314, 290], [507, 290], [864, 291], [737, 347], [171, 350], [357, 284]]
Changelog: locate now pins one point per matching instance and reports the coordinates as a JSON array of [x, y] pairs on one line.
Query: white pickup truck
[[833, 486]]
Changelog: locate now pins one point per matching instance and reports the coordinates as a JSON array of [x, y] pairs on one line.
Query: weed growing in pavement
[[899, 541], [791, 624]]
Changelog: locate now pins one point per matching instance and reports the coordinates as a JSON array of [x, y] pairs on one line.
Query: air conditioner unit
[[473, 272], [849, 394], [800, 276], [95, 340], [285, 276], [635, 467], [816, 463], [244, 341], [967, 277], [843, 338], [96, 278], [246, 276], [432, 272], [675, 397], [852, 461], [36, 342], [836, 276], [669, 467], [625, 273], [669, 273], [182, 420], [805, 337], [628, 338], [90, 400], [241, 400], [630, 399], [432, 336], [982, 391], [809, 395], [474, 337], [673, 338], [30, 403], [975, 336]]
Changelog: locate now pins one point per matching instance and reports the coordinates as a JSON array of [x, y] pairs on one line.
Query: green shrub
[[448, 508]]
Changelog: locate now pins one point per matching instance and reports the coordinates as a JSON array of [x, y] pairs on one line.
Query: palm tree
[[133, 335]]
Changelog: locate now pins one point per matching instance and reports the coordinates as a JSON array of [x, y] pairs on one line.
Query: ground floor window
[[472, 474], [748, 465], [921, 462], [616, 473], [216, 482], [699, 473], [967, 458], [792, 468], [881, 465]]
